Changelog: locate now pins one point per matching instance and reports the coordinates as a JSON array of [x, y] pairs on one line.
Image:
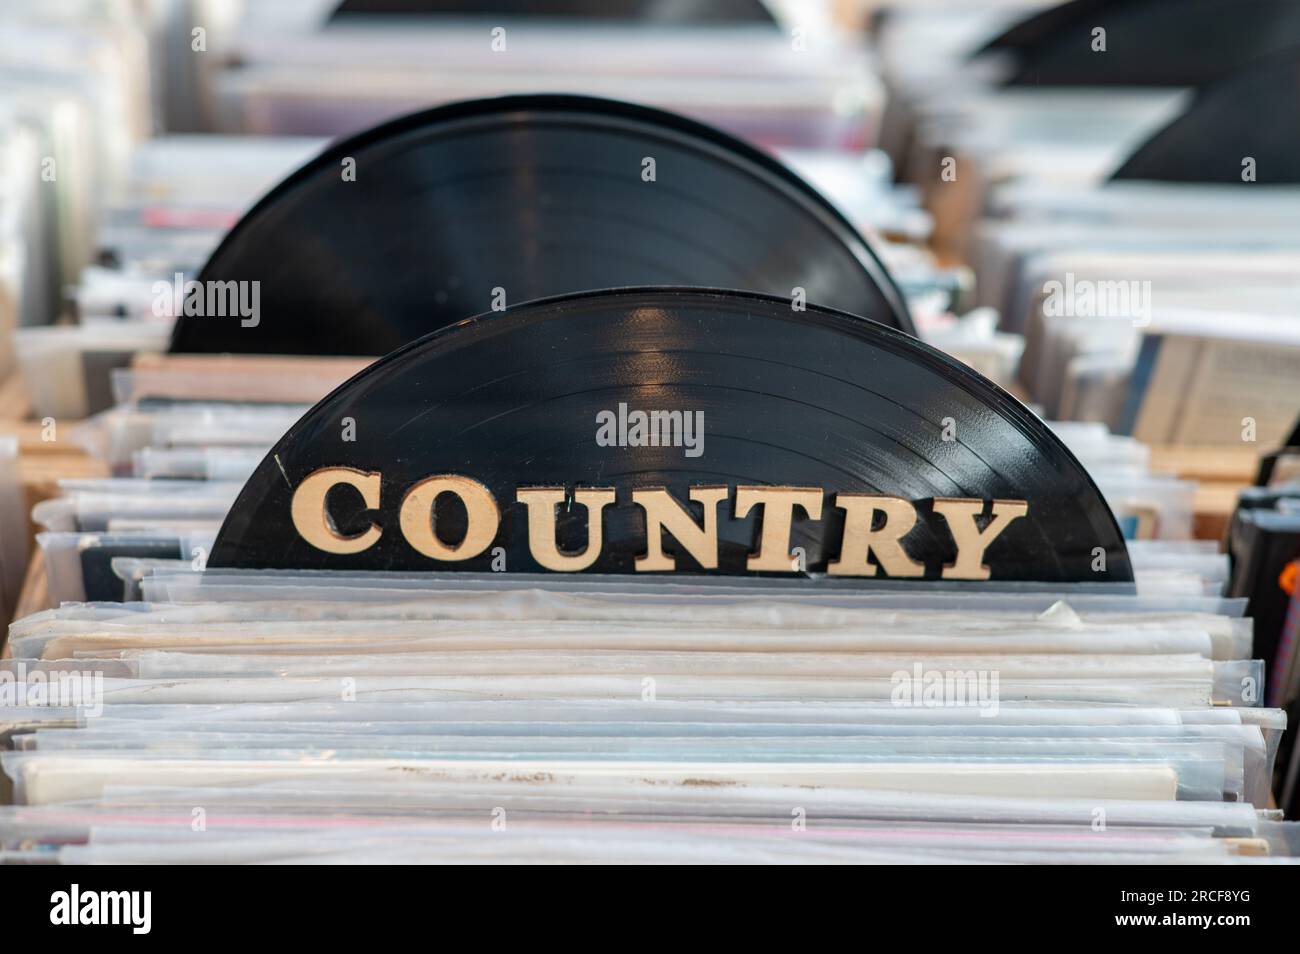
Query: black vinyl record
[[461, 209], [1147, 42], [1254, 114], [776, 398], [99, 581], [1263, 542]]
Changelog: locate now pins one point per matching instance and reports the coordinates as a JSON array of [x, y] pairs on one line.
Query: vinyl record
[[1264, 542], [448, 213], [741, 391], [99, 580], [1147, 42], [1251, 114], [1288, 456]]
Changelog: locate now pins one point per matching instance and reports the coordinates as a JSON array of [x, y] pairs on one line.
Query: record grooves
[[476, 205], [783, 398]]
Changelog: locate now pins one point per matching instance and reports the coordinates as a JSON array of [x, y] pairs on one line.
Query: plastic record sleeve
[[457, 210], [780, 397]]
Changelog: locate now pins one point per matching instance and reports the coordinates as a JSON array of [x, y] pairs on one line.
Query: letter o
[[481, 511]]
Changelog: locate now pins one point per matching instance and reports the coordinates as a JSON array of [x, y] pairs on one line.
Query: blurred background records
[[324, 68], [1129, 204], [1264, 544], [833, 225]]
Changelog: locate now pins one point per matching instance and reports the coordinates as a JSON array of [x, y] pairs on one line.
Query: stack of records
[[324, 67], [636, 575], [1126, 203], [1149, 504], [74, 99], [1264, 543], [181, 194], [568, 451], [786, 81]]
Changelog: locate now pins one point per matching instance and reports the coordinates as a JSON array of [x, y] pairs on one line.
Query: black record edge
[[997, 400], [1167, 43], [330, 157], [1252, 112]]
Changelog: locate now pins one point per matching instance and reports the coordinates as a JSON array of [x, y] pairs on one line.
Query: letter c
[[311, 517]]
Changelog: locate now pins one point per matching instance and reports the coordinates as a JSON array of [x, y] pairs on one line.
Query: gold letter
[[481, 517], [662, 512], [859, 539], [971, 541], [541, 502], [312, 520], [778, 505]]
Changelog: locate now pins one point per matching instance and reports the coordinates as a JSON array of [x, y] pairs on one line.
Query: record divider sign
[[661, 431]]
